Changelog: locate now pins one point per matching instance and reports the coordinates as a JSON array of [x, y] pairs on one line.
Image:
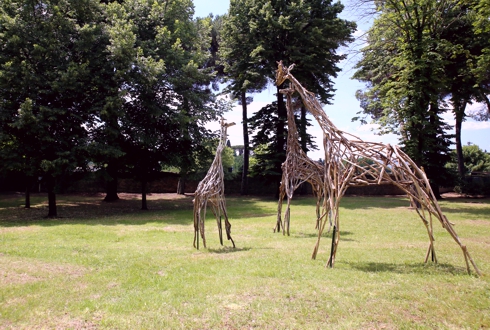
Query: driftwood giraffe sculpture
[[297, 169], [212, 189], [344, 167]]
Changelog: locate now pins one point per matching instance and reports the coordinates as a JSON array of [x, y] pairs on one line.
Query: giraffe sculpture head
[[282, 73]]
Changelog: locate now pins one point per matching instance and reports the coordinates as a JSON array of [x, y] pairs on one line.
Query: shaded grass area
[[112, 266]]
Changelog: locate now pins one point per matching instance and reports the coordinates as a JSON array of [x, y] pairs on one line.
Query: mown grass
[[112, 266]]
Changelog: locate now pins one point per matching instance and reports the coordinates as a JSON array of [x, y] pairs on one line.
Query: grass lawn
[[112, 266]]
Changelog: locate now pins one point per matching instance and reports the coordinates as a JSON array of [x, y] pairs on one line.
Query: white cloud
[[235, 133], [474, 108], [472, 125], [469, 124], [358, 33]]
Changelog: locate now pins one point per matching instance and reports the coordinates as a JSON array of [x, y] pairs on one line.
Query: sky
[[344, 105]]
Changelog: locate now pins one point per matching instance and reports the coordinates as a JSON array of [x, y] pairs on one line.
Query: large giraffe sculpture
[[344, 168], [212, 189], [297, 169]]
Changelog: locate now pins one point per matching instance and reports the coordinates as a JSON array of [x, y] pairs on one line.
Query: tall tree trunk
[[144, 205], [111, 187], [433, 110], [435, 190], [181, 185], [246, 147], [459, 108], [50, 185], [28, 192]]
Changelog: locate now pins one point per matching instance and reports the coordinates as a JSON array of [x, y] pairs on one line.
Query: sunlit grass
[[112, 266]]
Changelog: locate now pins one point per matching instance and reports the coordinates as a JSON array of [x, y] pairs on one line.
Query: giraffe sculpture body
[[388, 164], [211, 189]]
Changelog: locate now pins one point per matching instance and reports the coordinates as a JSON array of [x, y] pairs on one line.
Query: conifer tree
[[307, 33]]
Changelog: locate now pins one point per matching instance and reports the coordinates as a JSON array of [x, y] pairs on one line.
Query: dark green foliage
[[475, 159], [267, 160], [405, 68], [123, 84], [51, 84], [258, 33]]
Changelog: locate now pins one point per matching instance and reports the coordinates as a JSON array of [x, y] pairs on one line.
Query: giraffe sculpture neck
[[332, 133]]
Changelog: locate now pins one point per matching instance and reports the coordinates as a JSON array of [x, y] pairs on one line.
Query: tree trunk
[[459, 109], [181, 185], [435, 190], [246, 152], [144, 205], [28, 192], [433, 110], [111, 187], [52, 210]]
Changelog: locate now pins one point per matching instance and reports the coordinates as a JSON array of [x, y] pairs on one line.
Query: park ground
[[112, 266]]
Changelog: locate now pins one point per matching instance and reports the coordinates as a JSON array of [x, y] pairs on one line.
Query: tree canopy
[[119, 84], [258, 33], [418, 53]]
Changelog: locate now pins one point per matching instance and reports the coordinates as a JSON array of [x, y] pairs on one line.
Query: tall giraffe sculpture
[[343, 169], [297, 169], [212, 189]]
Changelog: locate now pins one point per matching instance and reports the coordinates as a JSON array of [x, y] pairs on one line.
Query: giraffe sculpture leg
[[217, 214], [199, 227], [287, 218], [279, 223], [197, 221], [227, 223]]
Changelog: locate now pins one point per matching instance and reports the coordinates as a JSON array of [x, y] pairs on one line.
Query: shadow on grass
[[359, 202], [324, 234], [229, 249], [92, 210], [481, 212], [448, 205], [407, 268]]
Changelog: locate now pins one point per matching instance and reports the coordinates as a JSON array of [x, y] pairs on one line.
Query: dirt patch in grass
[[23, 270], [175, 229], [17, 229], [483, 223], [67, 321]]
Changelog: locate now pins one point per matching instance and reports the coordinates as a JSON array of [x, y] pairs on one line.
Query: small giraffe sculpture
[[297, 169], [343, 168], [212, 189]]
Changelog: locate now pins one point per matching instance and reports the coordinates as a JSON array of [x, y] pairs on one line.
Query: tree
[[267, 158], [165, 98], [199, 104], [50, 83], [480, 13], [236, 55], [463, 84], [403, 66], [475, 160], [306, 33]]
